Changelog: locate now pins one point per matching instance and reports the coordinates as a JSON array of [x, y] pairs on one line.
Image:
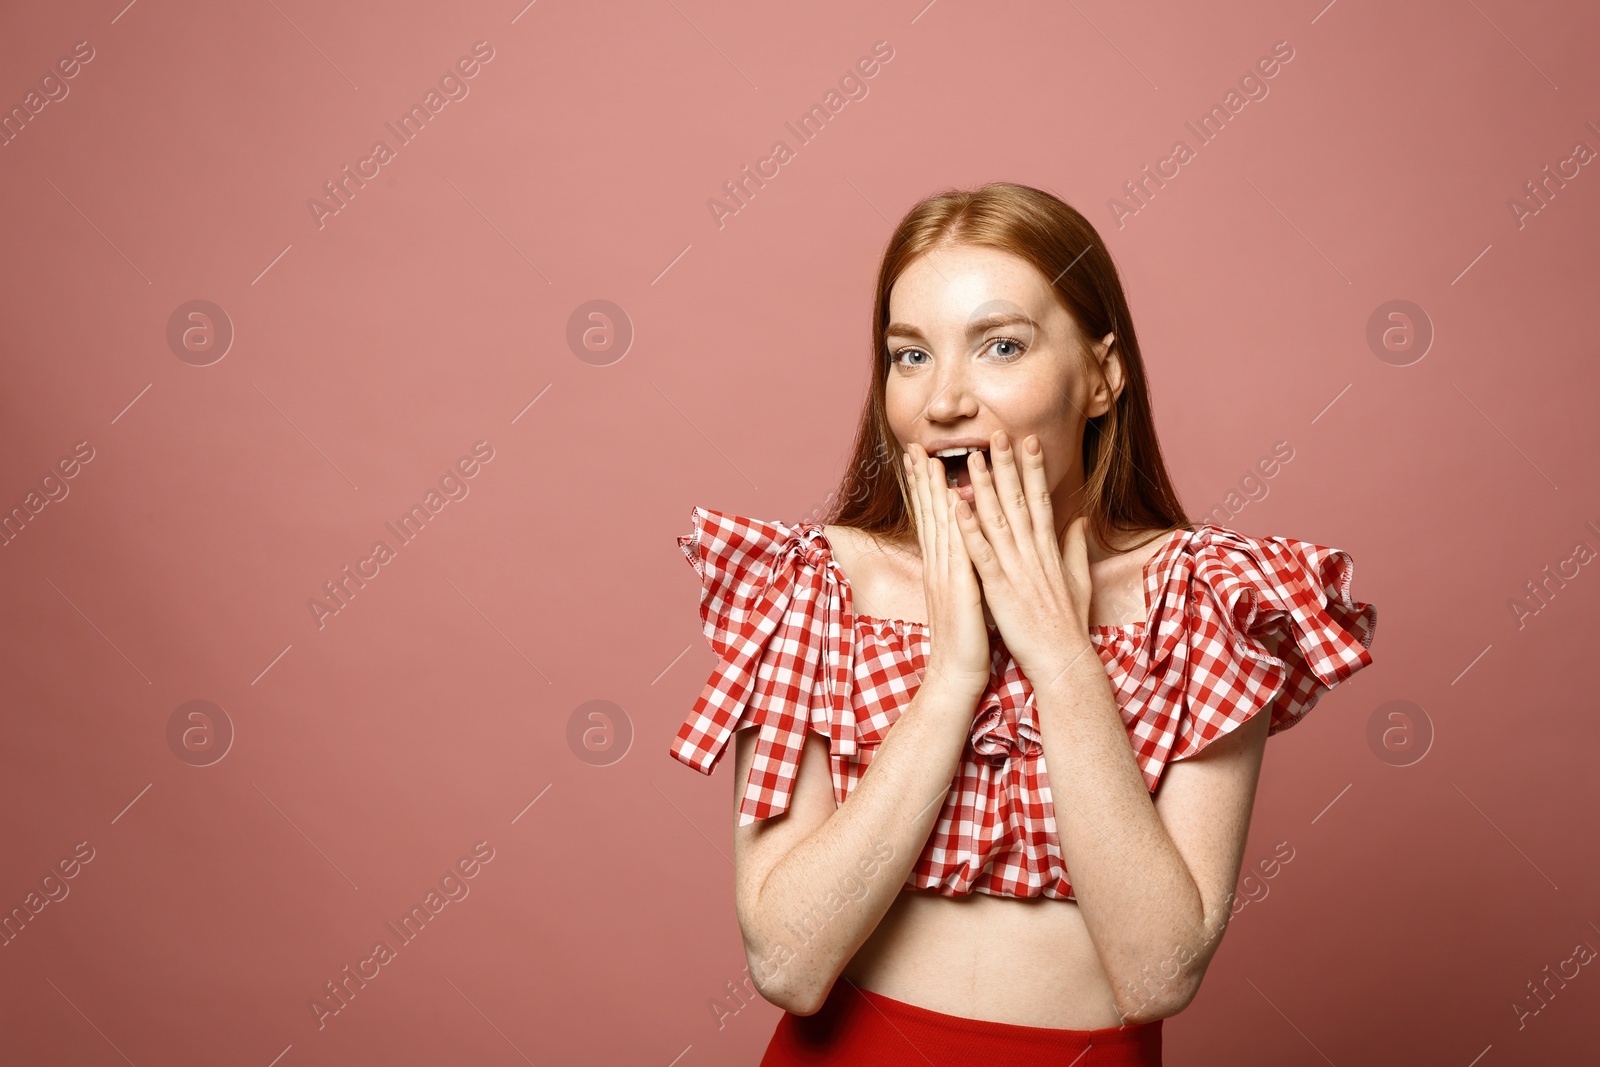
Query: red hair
[[1126, 486]]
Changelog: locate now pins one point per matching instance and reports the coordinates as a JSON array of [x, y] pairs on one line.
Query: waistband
[[860, 1026]]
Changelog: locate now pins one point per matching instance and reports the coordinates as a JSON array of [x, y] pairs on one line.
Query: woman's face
[[979, 342]]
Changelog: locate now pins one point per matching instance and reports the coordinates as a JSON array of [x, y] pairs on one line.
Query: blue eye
[[1013, 343], [1018, 350]]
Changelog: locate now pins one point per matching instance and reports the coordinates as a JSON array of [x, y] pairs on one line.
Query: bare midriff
[[1004, 959]]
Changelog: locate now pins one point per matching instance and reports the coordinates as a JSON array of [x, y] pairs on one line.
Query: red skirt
[[859, 1027]]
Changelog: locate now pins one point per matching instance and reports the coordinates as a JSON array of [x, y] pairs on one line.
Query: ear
[[1105, 392]]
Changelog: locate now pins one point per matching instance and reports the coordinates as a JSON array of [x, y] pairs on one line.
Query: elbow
[[1152, 997], [1160, 992], [1149, 1011], [780, 979], [796, 998], [798, 1001]]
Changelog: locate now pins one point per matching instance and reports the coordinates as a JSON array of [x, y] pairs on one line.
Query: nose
[[952, 397]]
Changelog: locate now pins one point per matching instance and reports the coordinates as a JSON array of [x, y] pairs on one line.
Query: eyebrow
[[975, 327]]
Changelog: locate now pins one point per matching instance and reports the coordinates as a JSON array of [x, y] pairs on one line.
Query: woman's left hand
[[1036, 588]]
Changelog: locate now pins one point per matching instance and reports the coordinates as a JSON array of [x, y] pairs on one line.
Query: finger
[[925, 499], [1036, 485], [992, 518], [1075, 546], [914, 482], [959, 560], [1076, 564], [916, 460], [938, 511], [1013, 500], [975, 550]]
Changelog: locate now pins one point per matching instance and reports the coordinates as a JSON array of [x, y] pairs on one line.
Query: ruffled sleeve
[[1248, 623], [778, 617]]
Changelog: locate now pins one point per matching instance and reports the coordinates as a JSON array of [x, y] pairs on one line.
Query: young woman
[[1007, 583]]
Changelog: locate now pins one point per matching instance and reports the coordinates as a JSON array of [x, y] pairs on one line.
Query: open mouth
[[956, 471]]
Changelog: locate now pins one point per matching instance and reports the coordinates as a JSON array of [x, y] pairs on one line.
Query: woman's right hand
[[958, 638]]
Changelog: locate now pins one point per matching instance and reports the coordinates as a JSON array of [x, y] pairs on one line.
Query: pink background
[[371, 753]]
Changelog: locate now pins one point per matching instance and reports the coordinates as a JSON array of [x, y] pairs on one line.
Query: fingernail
[[1002, 443], [1032, 444]]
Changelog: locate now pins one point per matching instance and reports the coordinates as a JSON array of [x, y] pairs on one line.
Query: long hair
[[1126, 487]]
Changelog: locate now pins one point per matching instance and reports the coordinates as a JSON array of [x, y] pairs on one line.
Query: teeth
[[953, 470]]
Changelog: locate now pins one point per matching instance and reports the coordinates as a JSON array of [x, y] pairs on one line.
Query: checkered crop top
[[1236, 624]]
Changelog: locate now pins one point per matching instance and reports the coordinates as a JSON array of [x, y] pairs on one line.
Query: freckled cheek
[[901, 414], [1044, 409], [1025, 408]]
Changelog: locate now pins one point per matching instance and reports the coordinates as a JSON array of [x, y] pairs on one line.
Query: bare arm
[[1153, 876], [813, 883]]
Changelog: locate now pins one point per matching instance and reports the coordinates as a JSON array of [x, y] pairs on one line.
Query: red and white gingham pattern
[[1236, 624]]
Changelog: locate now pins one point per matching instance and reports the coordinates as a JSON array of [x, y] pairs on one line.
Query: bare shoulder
[[1140, 546], [1117, 593], [1134, 549], [858, 551], [885, 582]]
